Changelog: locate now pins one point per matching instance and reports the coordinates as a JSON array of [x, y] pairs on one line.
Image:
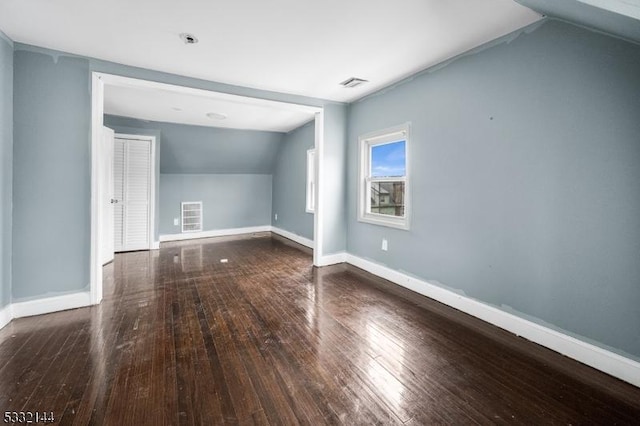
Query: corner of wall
[[6, 173]]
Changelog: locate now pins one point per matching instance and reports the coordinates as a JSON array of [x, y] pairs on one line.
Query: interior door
[[118, 193], [132, 185], [106, 197]]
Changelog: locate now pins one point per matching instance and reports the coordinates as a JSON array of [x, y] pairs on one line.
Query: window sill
[[384, 221]]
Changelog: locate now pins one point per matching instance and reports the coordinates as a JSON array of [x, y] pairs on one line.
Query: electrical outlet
[[385, 244], [276, 216], [176, 221]]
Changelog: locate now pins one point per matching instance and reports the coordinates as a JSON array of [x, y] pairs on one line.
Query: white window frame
[[366, 143], [311, 181]]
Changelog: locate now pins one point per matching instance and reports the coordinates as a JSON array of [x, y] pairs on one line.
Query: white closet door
[[132, 230], [136, 218], [118, 194]]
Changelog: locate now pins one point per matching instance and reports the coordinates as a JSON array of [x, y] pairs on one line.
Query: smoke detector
[[188, 38], [353, 82]]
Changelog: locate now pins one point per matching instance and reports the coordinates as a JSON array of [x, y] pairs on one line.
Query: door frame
[[98, 81], [107, 135], [153, 244]]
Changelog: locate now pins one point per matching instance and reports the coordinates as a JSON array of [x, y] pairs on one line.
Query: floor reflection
[[191, 258], [181, 338]]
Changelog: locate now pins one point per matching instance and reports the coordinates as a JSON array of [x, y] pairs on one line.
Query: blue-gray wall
[[290, 182], [202, 150], [6, 165], [52, 163], [524, 176], [525, 180], [51, 175], [193, 162], [228, 200]]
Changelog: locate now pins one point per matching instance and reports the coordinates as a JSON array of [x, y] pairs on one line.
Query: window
[[383, 184], [311, 180]]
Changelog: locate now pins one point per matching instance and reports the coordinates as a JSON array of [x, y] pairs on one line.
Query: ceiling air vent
[[353, 82]]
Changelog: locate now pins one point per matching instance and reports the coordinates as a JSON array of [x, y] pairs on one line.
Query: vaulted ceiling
[[292, 46], [617, 17], [289, 46]]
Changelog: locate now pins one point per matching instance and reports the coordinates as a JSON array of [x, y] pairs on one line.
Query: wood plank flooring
[[265, 338]]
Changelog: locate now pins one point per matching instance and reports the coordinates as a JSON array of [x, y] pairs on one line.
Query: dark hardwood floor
[[265, 338]]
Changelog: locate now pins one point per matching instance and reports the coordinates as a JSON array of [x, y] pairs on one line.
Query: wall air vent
[[353, 82], [192, 216]]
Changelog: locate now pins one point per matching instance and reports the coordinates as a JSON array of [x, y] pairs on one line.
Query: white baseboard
[[214, 233], [5, 315], [332, 259], [51, 304], [155, 245], [609, 362], [293, 237]]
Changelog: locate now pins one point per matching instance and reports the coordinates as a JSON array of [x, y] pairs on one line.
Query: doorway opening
[[100, 213]]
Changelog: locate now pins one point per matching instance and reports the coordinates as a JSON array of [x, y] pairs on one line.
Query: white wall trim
[[609, 362], [604, 360], [318, 217], [97, 118], [122, 81], [5, 315], [293, 237], [332, 259], [51, 304], [214, 233]]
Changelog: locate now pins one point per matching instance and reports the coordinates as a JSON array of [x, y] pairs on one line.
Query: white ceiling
[[293, 46], [172, 104]]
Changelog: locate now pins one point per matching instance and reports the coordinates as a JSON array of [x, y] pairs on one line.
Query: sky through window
[[389, 160]]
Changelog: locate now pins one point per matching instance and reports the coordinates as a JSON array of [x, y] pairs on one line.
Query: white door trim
[[318, 216], [107, 248], [97, 118], [98, 80]]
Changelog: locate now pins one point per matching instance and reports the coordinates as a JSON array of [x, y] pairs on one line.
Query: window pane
[[388, 159], [387, 198]]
